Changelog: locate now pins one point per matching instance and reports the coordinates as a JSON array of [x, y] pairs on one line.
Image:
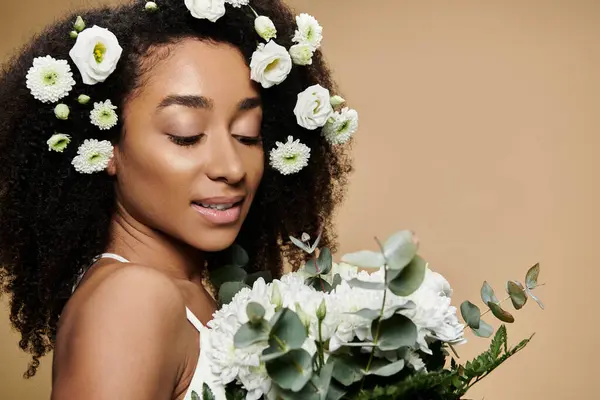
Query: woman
[[138, 143]]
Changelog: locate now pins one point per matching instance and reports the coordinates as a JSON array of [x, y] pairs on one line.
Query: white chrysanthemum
[[341, 126], [93, 156], [49, 80], [96, 54], [309, 31], [104, 115], [289, 157], [58, 142], [270, 64], [237, 3]]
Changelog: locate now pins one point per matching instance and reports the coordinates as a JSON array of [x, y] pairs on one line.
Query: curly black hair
[[55, 220]]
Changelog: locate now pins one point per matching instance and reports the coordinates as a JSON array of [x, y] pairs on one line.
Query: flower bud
[[265, 27], [321, 311], [151, 6], [79, 25], [83, 99], [61, 111], [336, 100], [276, 299], [73, 34]]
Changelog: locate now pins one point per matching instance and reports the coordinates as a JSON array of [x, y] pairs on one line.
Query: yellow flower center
[[272, 65], [99, 52]]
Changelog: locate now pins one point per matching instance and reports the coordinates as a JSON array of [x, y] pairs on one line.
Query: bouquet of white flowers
[[334, 331]]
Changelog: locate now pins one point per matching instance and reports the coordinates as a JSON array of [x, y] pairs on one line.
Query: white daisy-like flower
[[104, 115], [341, 126], [58, 142], [93, 156], [309, 31], [289, 157], [49, 79], [237, 3]]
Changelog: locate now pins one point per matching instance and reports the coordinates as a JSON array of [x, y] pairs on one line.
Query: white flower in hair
[[96, 53], [301, 54], [309, 31], [270, 64], [237, 3], [58, 142], [313, 108], [93, 156], [104, 115], [265, 27], [211, 10], [341, 126], [49, 80], [289, 157]]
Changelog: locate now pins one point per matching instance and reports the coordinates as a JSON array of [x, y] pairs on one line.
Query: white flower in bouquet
[[211, 10], [270, 64], [313, 107], [96, 54]]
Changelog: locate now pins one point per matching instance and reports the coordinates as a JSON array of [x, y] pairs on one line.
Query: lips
[[220, 210]]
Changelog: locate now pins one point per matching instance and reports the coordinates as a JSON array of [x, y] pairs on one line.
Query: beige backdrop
[[479, 127]]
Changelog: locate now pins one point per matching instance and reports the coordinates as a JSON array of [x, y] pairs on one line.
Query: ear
[[112, 166]]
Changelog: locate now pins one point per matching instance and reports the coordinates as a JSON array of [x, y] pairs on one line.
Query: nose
[[225, 163]]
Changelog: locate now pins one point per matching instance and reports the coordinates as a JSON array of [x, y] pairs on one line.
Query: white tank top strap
[[114, 257], [194, 320]]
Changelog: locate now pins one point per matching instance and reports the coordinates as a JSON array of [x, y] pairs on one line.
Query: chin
[[215, 240]]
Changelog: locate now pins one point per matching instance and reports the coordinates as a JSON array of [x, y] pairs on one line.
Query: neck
[[142, 245]]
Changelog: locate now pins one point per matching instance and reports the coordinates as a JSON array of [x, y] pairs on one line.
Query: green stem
[[321, 355], [489, 309], [255, 13]]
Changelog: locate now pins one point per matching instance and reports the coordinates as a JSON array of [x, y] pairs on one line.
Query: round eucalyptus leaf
[[485, 330], [255, 312], [288, 331], [291, 371], [410, 279], [365, 259], [470, 314], [501, 314], [227, 273], [517, 293], [346, 369], [400, 249], [487, 293], [325, 261], [535, 298], [239, 255], [366, 285], [383, 367], [532, 276], [395, 332], [249, 334], [228, 290]]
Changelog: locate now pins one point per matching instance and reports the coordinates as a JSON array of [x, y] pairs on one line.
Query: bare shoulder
[[126, 325]]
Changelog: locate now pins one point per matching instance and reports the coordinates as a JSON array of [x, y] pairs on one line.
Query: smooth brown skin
[[124, 333]]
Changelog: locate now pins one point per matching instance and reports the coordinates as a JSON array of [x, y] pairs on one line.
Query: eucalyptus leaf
[[291, 371], [335, 392], [301, 245], [383, 367], [366, 285], [337, 280], [255, 312], [324, 381], [400, 249], [195, 395], [325, 261], [227, 273], [485, 330], [366, 313], [228, 290], [253, 277], [487, 293], [535, 298], [311, 268], [470, 314], [500, 313], [365, 259], [249, 334], [532, 276], [239, 255], [395, 332], [287, 331], [346, 370], [410, 279], [517, 293], [319, 284]]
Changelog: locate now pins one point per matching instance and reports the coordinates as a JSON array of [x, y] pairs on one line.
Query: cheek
[[255, 169]]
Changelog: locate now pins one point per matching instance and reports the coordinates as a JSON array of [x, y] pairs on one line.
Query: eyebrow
[[193, 101]]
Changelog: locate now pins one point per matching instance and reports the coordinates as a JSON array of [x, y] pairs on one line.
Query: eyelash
[[187, 141]]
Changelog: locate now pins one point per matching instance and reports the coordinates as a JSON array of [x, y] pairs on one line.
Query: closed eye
[[185, 141], [248, 140]]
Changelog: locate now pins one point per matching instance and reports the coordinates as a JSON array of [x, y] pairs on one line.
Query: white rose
[[96, 53], [270, 64], [301, 54], [265, 27], [313, 108], [211, 10]]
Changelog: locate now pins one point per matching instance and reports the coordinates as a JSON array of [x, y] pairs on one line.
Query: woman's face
[[191, 160]]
